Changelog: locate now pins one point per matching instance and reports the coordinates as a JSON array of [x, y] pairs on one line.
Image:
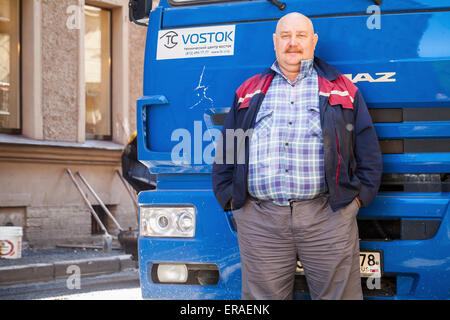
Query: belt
[[291, 201]]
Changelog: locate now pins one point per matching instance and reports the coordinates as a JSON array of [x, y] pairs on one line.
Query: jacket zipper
[[339, 164]]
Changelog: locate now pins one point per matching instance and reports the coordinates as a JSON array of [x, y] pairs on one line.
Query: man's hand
[[358, 201]]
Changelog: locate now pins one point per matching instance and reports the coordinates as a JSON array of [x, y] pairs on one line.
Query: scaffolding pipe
[[91, 209], [107, 238], [99, 201]]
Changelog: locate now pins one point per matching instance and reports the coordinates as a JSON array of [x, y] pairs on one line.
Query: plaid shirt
[[286, 150]]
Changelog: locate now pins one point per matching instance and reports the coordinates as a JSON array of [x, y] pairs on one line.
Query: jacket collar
[[322, 68], [305, 70], [325, 70]]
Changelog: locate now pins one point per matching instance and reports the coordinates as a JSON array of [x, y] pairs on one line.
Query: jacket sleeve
[[222, 171], [367, 152]]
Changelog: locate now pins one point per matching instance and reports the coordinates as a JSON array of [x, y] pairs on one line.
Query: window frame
[[93, 136], [18, 131]]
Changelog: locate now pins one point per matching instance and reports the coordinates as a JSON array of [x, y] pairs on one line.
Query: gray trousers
[[326, 242]]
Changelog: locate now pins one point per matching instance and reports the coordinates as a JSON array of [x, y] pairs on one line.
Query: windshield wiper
[[280, 5]]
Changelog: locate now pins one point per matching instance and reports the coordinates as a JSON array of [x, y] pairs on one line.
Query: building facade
[[70, 74]]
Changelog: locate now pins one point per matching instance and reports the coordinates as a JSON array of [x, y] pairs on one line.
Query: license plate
[[370, 264]]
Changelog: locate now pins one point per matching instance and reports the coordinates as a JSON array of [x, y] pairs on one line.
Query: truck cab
[[198, 52]]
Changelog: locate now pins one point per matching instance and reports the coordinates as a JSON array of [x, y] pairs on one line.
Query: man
[[312, 161]]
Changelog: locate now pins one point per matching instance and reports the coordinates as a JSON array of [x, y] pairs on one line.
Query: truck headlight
[[176, 222]]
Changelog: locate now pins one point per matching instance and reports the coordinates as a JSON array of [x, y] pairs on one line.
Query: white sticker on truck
[[196, 42]]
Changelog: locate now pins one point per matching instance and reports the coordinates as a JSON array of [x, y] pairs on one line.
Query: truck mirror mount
[[140, 11]]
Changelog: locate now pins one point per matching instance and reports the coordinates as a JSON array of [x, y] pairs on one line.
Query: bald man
[[312, 161]]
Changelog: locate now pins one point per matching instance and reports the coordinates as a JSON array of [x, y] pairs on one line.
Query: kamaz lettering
[[379, 77], [207, 37]]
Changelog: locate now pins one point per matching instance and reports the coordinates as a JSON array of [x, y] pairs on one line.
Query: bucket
[[11, 242]]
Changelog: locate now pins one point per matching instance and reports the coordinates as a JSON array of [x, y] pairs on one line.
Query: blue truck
[[198, 52]]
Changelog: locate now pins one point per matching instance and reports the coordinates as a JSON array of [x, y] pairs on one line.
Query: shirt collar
[[306, 69]]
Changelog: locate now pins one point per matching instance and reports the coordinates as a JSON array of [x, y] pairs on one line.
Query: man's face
[[294, 41]]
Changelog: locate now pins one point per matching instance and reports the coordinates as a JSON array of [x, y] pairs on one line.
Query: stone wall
[[37, 193], [51, 225], [60, 72]]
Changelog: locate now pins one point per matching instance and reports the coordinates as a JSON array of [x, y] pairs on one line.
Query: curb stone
[[38, 290], [41, 272]]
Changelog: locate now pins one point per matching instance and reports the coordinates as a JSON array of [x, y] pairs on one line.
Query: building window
[[9, 66], [98, 73]]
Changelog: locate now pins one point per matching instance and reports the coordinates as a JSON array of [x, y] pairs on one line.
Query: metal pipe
[[130, 193], [91, 209], [99, 201]]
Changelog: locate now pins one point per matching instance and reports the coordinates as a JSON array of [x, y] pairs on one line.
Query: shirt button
[[292, 102], [287, 143], [290, 123], [287, 170]]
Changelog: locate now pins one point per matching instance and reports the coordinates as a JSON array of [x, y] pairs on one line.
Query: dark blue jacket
[[353, 163]]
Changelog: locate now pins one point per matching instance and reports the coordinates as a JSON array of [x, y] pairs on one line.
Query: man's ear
[[316, 38], [274, 41]]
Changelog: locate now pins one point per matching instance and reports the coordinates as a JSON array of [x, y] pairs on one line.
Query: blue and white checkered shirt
[[286, 150]]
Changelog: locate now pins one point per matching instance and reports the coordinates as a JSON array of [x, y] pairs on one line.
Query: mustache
[[293, 50]]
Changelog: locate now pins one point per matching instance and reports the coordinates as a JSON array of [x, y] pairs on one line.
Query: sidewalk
[[48, 265]]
